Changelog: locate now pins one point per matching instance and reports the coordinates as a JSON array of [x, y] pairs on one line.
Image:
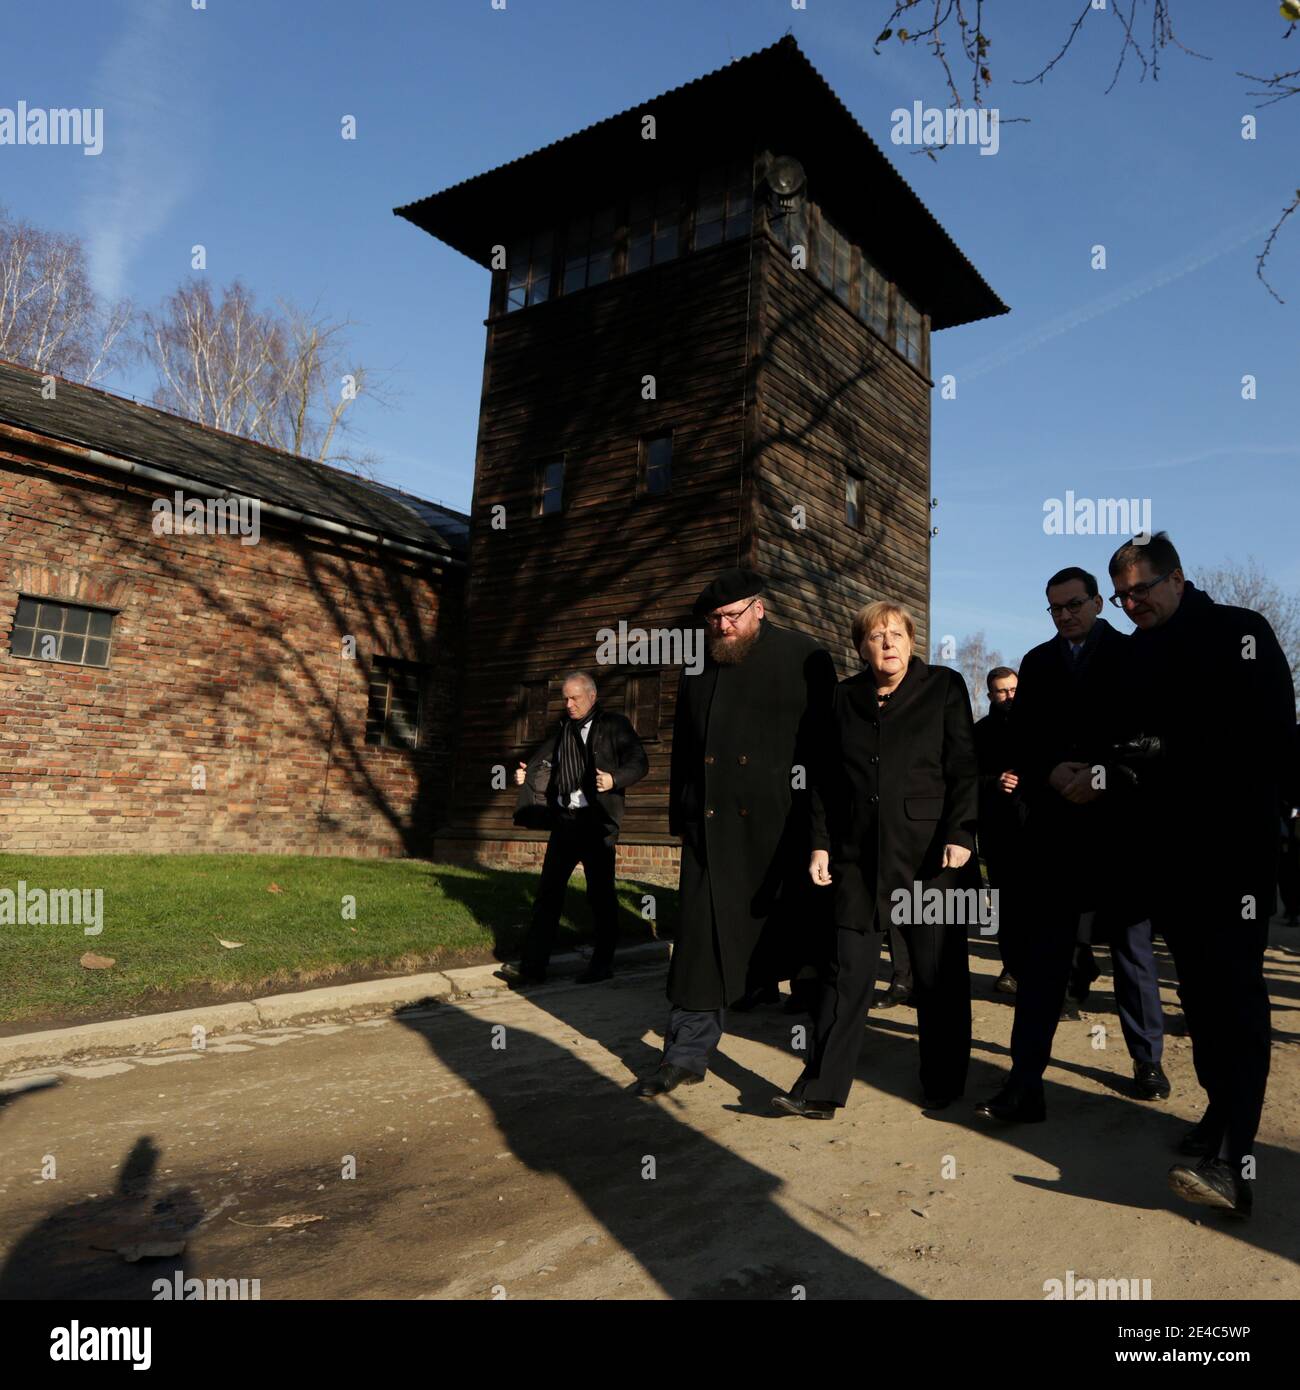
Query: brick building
[[168, 691]]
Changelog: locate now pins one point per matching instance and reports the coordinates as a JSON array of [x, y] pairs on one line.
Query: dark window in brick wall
[[46, 630], [393, 709]]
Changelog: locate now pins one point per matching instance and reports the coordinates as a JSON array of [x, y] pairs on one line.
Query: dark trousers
[[576, 838], [1225, 1001], [1046, 956], [1001, 866], [900, 960], [940, 991], [692, 1036]]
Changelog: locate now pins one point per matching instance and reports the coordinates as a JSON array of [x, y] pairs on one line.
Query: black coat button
[[708, 760], [874, 799], [742, 759], [708, 814], [743, 812]]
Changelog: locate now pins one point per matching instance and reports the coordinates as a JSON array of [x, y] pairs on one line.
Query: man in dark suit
[[581, 773], [1002, 816], [1207, 839], [742, 738], [1073, 707]]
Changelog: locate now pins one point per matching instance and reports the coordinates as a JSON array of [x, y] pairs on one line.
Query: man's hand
[[519, 774], [1074, 782], [955, 856], [604, 781], [819, 867], [1009, 781], [1063, 775]]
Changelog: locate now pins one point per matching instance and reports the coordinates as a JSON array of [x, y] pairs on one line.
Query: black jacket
[[893, 788], [1001, 814], [742, 740], [1216, 689], [1080, 714], [612, 746]]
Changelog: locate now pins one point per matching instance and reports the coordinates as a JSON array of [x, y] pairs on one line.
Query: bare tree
[[1247, 586], [279, 377], [974, 660], [955, 34], [50, 318]]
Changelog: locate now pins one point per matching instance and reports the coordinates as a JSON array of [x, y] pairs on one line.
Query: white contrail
[[1135, 289]]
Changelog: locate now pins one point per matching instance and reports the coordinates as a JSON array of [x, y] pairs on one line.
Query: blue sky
[[222, 127]]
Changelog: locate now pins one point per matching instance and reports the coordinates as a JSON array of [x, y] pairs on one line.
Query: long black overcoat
[[1215, 687], [742, 740], [893, 788]]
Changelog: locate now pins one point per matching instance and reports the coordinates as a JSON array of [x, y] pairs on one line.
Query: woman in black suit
[[893, 804]]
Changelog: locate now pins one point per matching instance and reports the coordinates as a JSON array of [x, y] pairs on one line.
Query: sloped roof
[[772, 99], [94, 419]]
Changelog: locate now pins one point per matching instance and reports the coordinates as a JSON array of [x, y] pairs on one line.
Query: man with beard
[[1002, 813], [1206, 839], [742, 743]]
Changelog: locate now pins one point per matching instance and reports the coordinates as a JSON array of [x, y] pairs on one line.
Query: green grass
[[162, 915]]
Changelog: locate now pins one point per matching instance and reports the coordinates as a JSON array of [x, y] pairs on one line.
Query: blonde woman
[[894, 803]]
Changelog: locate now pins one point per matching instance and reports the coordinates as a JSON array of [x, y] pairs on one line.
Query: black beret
[[728, 587]]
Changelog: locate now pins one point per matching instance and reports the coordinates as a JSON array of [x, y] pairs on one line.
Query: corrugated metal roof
[[758, 95], [95, 419]]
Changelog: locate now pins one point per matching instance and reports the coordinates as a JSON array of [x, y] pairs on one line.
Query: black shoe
[[761, 994], [1150, 1080], [1014, 1104], [517, 976], [894, 995], [1201, 1141], [666, 1079], [938, 1102], [808, 1109], [1006, 983], [594, 974], [1212, 1183]]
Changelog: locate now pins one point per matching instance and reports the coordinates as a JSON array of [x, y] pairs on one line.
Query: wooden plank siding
[[832, 396], [565, 377]]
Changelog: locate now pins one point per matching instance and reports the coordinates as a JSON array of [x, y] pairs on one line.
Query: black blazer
[[1064, 714], [612, 746], [892, 789]]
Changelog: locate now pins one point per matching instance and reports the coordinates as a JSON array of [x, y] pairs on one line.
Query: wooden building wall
[[566, 377], [834, 397]]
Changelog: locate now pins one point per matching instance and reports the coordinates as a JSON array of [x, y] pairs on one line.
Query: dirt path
[[497, 1154]]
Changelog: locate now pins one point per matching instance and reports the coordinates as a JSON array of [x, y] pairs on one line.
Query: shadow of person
[[83, 1250], [702, 1222]]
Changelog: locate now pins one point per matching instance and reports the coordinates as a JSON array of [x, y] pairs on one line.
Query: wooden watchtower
[[708, 344]]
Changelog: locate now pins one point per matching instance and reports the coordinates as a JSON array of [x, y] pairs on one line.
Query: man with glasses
[[1072, 708], [1207, 841], [742, 743], [1001, 815]]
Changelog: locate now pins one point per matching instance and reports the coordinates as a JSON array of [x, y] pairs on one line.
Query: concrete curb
[[367, 999]]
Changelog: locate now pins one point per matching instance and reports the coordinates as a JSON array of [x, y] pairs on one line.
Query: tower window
[[653, 222], [528, 271], [550, 478], [589, 251], [724, 208], [656, 464]]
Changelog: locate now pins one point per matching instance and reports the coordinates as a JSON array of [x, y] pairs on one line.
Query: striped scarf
[[573, 756]]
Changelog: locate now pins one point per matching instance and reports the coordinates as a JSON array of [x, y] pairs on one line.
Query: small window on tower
[[853, 489], [656, 464], [530, 711], [550, 478], [641, 704]]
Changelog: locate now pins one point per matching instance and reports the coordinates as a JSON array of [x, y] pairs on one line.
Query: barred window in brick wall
[[49, 631], [393, 712]]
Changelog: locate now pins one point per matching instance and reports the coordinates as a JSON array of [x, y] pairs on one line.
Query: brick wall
[[229, 719], [650, 863]]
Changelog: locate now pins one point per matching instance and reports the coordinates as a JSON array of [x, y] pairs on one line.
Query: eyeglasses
[[1058, 610], [717, 619], [1137, 593]]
